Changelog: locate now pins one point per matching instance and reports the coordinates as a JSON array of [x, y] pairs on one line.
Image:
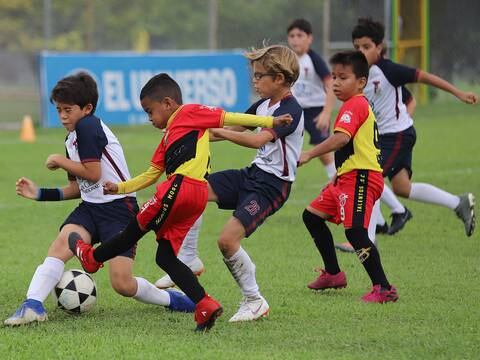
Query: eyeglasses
[[260, 75]]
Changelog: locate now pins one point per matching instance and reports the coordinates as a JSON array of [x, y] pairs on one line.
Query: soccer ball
[[76, 292]]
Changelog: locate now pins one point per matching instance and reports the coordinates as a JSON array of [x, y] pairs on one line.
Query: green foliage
[[433, 264]]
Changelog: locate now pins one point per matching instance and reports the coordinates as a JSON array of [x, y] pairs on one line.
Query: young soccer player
[[261, 189], [359, 183], [93, 155], [313, 89], [397, 134], [183, 154]]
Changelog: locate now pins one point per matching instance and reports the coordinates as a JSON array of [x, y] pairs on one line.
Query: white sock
[[243, 271], [380, 219], [330, 169], [45, 278], [430, 194], [373, 221], [149, 294], [189, 250], [390, 199]]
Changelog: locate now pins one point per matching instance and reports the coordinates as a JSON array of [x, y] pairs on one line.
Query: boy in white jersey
[[93, 156], [259, 190], [313, 89], [395, 126]]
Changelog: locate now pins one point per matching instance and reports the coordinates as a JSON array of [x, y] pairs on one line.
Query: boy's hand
[[282, 120], [26, 188], [52, 161], [304, 158], [468, 97], [110, 188], [322, 121]]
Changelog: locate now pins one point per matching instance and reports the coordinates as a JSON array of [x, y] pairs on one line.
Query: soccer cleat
[[345, 247], [398, 221], [206, 313], [180, 302], [84, 253], [251, 308], [382, 229], [328, 281], [381, 296], [196, 266], [466, 211], [29, 312]]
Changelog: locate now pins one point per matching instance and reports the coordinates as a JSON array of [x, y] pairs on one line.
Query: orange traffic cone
[[27, 133]]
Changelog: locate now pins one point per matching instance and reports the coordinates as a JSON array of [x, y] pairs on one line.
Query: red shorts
[[171, 212], [350, 198]]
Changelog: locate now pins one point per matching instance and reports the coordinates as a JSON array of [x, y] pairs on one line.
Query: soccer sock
[[368, 255], [430, 194], [372, 226], [380, 220], [45, 278], [188, 251], [149, 294], [120, 243], [323, 240], [330, 169], [391, 200], [242, 269], [180, 273]]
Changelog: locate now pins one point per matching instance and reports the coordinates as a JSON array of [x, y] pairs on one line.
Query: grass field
[[432, 263]]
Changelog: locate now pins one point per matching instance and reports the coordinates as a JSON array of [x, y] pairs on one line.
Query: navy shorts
[[253, 193], [396, 152], [316, 136], [103, 221]]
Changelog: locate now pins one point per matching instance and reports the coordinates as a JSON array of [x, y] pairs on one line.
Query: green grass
[[433, 264]]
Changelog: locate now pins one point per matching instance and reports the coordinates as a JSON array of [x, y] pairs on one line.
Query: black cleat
[[382, 229], [398, 221]]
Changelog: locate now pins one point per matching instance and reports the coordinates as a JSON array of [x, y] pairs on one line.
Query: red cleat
[[329, 281], [206, 312], [381, 296], [84, 253]]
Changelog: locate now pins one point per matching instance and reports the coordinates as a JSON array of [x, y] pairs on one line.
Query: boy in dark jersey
[[184, 155], [349, 199], [396, 132]]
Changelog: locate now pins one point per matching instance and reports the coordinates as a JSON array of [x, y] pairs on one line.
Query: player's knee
[[124, 284], [225, 244], [312, 221], [401, 190]]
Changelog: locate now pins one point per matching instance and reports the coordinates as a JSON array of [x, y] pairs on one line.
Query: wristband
[[49, 194]]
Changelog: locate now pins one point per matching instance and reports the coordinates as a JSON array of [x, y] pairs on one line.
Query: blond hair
[[277, 59]]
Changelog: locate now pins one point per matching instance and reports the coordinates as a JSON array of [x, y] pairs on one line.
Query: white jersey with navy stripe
[[384, 92], [280, 156], [92, 141], [309, 89]]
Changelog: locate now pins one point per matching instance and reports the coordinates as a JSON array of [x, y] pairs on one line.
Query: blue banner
[[219, 79]]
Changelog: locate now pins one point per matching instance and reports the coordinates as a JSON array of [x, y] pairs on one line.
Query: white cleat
[[196, 266], [251, 309]]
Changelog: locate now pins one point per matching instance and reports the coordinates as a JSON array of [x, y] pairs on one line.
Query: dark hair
[[366, 27], [161, 86], [77, 89], [300, 24], [355, 59]]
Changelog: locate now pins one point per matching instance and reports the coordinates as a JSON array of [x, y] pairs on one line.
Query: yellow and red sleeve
[[141, 181]]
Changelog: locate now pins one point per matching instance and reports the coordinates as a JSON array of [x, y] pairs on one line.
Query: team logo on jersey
[[376, 86], [346, 117], [252, 208], [208, 107]]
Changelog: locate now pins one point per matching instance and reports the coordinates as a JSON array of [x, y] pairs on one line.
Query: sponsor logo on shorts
[[252, 208], [342, 199]]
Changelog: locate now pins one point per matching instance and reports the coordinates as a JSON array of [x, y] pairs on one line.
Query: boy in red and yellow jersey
[[358, 184], [184, 155]]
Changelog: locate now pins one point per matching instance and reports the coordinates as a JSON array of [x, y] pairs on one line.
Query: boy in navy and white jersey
[[259, 190], [313, 89], [94, 155], [395, 125]]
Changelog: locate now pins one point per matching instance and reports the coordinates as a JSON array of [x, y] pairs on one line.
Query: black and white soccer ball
[[76, 292]]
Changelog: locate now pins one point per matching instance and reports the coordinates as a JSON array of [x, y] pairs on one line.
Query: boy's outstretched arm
[[334, 142], [90, 171], [256, 120], [139, 182], [249, 140], [29, 190], [434, 80]]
